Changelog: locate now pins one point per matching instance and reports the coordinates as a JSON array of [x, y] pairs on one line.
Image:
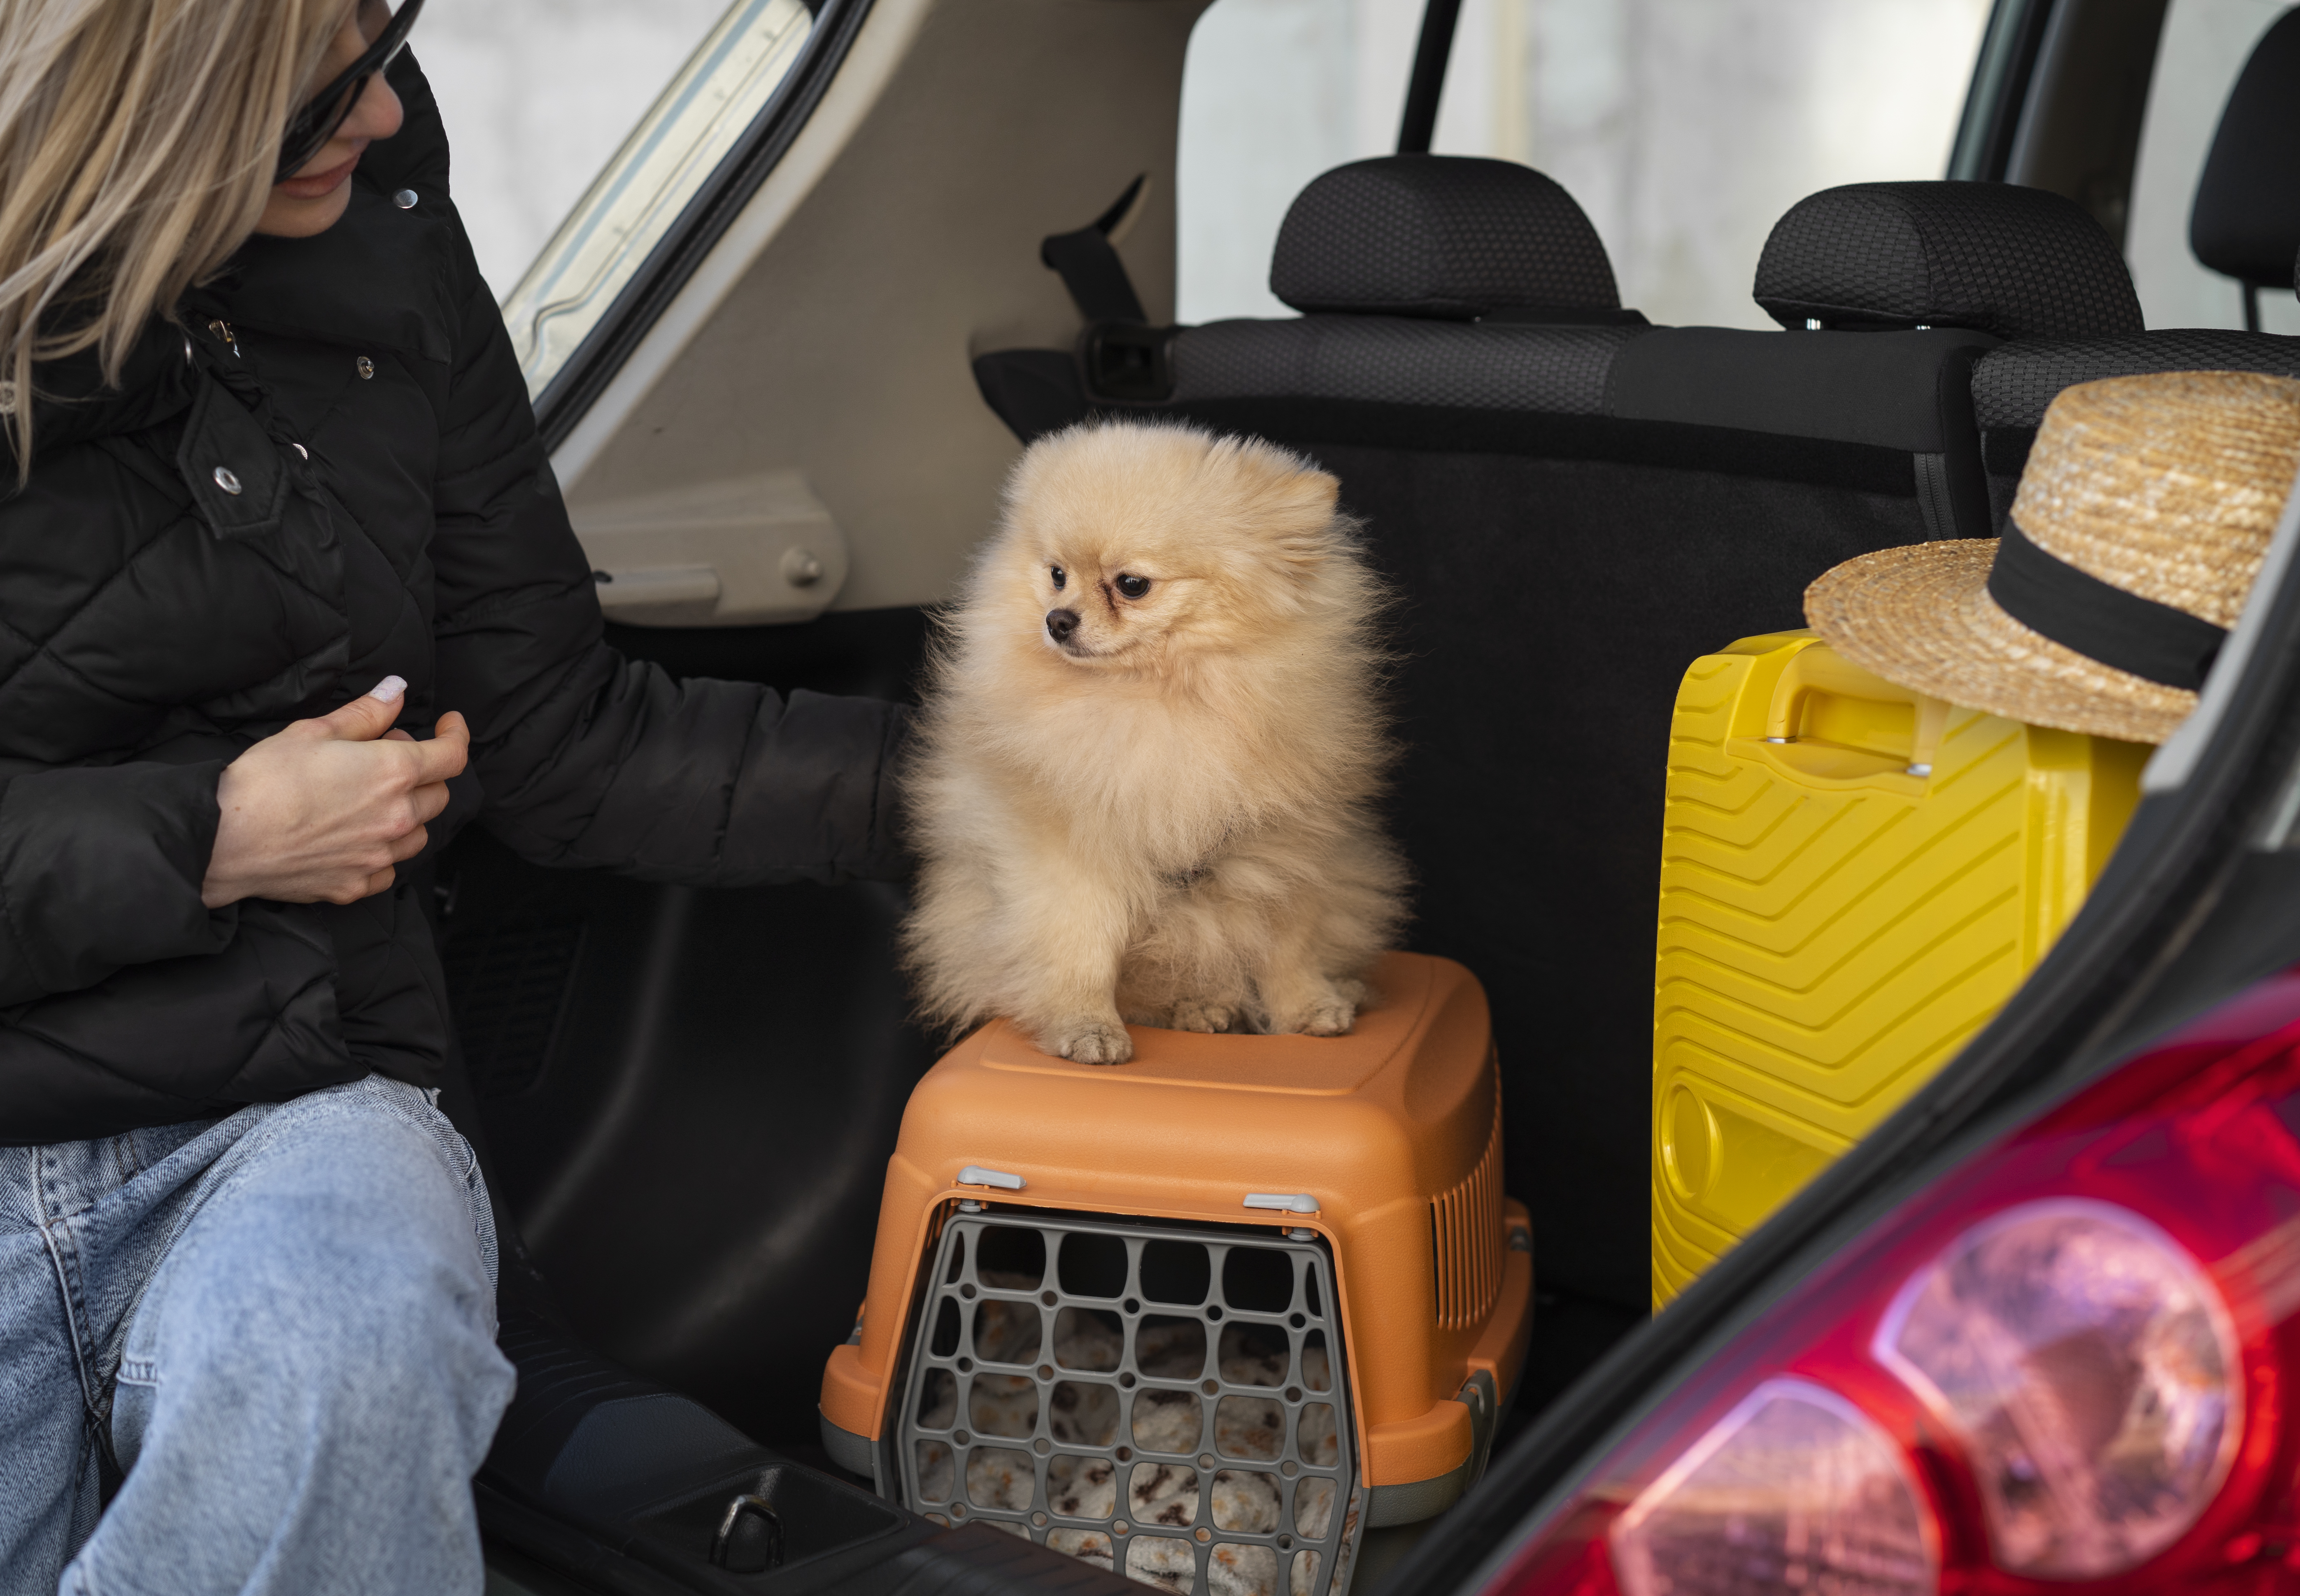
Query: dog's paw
[[1331, 1013], [1201, 1014], [1089, 1040]]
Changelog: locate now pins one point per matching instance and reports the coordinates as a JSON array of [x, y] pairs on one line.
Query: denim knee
[[335, 1276], [313, 1378]]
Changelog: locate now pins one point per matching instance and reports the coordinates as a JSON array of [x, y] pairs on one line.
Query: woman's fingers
[[309, 815], [368, 716], [449, 749], [426, 764]]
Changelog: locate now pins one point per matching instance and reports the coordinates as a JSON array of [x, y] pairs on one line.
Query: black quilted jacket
[[329, 472]]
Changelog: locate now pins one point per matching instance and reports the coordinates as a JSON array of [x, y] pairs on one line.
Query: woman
[[287, 596]]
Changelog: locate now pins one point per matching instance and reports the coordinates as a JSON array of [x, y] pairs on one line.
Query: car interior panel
[[1523, 485], [2078, 128], [906, 226], [687, 1101]]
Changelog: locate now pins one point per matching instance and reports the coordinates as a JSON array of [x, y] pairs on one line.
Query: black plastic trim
[[2001, 76]]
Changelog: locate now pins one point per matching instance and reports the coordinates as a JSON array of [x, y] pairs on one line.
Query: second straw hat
[[2142, 519]]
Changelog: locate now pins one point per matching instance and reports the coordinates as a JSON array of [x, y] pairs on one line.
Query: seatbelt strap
[[1090, 268]]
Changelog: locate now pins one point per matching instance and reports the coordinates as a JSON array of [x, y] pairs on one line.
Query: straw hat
[[2142, 519]]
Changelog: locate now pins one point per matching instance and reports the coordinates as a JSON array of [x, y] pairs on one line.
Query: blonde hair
[[138, 142]]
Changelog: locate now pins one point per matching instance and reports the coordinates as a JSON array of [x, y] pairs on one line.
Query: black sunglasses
[[310, 128]]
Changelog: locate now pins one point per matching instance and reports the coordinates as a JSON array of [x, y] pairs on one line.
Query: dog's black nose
[[1061, 623]]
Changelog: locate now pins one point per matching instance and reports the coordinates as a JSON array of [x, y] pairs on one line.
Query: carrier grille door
[[1170, 1404]]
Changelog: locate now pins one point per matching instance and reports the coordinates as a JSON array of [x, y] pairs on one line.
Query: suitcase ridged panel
[[1833, 929]]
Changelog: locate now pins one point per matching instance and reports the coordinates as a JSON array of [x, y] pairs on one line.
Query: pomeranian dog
[[1144, 787]]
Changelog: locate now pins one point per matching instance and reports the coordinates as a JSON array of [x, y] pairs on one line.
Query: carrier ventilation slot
[[1465, 1228], [1171, 1404]]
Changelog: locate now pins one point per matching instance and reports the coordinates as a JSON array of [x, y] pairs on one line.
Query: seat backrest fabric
[[2246, 222], [1887, 412], [1571, 516], [1880, 389], [2013, 383], [2018, 262], [1557, 575], [1558, 370], [1449, 237]]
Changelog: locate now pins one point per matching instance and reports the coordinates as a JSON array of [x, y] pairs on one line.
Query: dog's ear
[[1304, 524], [1293, 503]]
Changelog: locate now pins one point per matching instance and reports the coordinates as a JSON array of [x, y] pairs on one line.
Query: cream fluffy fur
[[1167, 818]]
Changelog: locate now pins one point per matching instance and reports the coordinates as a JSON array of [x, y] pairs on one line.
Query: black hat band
[[2099, 619]]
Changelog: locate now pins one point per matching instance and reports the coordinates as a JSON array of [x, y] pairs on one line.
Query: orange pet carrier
[[1204, 1316]]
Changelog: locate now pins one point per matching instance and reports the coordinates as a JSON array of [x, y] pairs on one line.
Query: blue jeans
[[282, 1322]]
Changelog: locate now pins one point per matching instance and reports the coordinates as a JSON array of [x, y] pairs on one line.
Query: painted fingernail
[[388, 690]]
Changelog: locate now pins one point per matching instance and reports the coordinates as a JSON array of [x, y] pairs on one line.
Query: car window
[[536, 96], [543, 97], [1685, 128], [2205, 45]]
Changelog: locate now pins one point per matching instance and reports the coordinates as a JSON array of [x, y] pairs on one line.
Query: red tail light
[[2062, 1368]]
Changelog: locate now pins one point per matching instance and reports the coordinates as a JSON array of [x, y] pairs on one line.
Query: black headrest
[[2019, 262], [1447, 236], [2246, 219]]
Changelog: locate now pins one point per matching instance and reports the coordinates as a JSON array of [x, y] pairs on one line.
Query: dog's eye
[[1061, 576], [1134, 588]]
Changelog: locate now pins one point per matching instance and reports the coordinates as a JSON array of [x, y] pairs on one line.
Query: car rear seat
[[1968, 262], [1429, 280], [1888, 414], [2012, 385], [1575, 511], [1573, 505]]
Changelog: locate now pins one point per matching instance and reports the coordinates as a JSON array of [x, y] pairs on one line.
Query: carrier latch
[[1479, 1395]]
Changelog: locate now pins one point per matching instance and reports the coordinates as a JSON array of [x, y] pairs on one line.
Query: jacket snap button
[[404, 199], [226, 480], [366, 367]]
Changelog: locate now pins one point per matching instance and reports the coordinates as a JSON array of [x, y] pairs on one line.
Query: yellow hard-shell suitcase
[[1853, 877]]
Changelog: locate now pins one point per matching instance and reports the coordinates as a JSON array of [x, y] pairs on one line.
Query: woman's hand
[[322, 810]]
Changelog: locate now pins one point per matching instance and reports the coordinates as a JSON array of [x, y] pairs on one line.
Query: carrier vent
[[1465, 1227], [1169, 1403]]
